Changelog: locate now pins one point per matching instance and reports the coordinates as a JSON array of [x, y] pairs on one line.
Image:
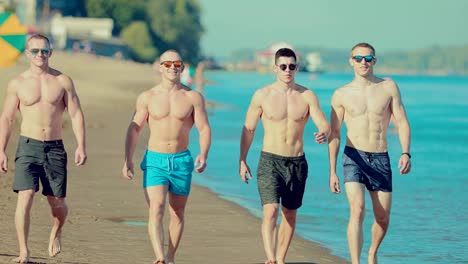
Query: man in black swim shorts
[[284, 108]]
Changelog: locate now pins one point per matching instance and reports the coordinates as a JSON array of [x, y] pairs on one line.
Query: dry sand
[[217, 231]]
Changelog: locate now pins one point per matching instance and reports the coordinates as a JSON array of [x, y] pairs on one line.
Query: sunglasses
[[367, 58], [35, 52], [168, 64], [291, 67]]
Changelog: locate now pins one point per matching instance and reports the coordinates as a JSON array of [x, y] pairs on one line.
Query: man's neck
[[170, 85], [365, 80], [283, 86], [38, 71]]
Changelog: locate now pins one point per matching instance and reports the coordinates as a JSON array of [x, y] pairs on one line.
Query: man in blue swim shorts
[[366, 105], [170, 109]]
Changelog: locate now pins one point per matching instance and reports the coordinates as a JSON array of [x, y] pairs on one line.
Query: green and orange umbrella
[[12, 39]]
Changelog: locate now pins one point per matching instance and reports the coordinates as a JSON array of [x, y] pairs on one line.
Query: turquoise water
[[429, 214]]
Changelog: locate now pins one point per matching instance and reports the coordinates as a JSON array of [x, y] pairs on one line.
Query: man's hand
[[200, 164], [3, 162], [320, 137], [404, 164], [80, 156], [127, 170], [244, 172], [334, 184]]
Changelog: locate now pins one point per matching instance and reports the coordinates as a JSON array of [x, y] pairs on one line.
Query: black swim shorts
[[41, 160], [282, 178]]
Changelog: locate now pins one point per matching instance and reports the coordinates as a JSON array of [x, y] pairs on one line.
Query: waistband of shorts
[[269, 155], [365, 153], [57, 142], [169, 155]]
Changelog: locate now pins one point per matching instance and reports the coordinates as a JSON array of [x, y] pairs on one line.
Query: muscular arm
[[10, 107], [72, 102], [404, 132], [318, 117], [401, 120], [336, 120], [251, 120], [202, 124], [134, 129]]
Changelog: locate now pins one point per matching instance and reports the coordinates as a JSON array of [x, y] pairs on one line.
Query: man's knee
[[178, 213], [289, 215], [270, 211], [156, 209], [382, 220], [357, 212]]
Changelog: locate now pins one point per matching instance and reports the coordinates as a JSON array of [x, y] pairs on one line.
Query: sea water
[[429, 211]]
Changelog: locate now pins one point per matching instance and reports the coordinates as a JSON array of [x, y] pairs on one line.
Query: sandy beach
[[107, 213]]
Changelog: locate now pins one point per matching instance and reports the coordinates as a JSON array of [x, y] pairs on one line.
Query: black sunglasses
[[34, 52], [291, 67], [367, 58]]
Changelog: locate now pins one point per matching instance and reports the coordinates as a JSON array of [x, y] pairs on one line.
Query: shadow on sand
[[42, 260]]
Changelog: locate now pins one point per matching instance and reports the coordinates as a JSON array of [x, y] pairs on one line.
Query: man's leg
[[270, 216], [156, 198], [22, 221], [176, 223], [59, 213], [355, 194], [381, 203], [285, 233]]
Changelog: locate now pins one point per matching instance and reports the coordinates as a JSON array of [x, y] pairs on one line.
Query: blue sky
[[387, 24]]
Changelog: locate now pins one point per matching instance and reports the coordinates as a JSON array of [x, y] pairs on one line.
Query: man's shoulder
[[343, 89], [263, 90]]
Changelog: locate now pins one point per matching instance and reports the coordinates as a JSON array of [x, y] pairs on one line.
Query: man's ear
[[351, 61]]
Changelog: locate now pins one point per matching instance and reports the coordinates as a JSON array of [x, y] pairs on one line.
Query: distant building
[[34, 12], [265, 59], [313, 62], [62, 28], [88, 35]]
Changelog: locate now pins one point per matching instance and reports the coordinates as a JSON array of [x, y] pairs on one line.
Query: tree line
[[149, 27]]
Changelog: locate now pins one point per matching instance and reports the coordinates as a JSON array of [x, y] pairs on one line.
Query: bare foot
[[21, 259], [159, 262], [54, 245], [372, 259]]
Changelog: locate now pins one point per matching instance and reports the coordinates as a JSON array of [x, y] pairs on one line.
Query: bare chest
[[33, 91], [279, 107], [164, 105], [368, 102]]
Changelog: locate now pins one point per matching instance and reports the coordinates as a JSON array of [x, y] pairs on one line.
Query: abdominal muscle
[[41, 124], [170, 135], [284, 138], [367, 136]]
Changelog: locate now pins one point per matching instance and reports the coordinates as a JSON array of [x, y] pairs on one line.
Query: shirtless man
[[366, 106], [41, 94], [171, 109], [284, 108]]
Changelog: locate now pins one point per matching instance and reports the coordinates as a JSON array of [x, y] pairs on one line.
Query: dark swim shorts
[[282, 178], [41, 160], [369, 168]]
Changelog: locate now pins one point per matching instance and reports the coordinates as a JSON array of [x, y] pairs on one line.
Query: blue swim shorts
[[172, 169], [369, 168]]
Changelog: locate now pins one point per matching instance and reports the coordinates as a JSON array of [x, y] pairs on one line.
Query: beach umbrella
[[12, 39]]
